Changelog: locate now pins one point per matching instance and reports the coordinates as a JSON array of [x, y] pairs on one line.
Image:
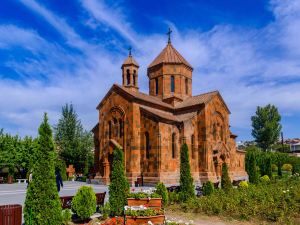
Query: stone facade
[[151, 128]]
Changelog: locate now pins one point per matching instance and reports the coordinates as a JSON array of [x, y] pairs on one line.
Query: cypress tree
[[186, 180], [119, 186], [225, 180], [42, 204], [251, 166]]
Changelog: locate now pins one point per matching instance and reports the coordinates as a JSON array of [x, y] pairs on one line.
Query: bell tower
[[130, 73]]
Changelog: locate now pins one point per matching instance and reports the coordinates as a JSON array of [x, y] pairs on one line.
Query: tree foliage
[[186, 180], [17, 153], [266, 126], [42, 204], [119, 186], [73, 142]]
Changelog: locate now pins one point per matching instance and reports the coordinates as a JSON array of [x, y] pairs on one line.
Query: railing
[[10, 214]]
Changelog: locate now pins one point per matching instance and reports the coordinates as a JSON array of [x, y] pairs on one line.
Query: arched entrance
[[221, 154]]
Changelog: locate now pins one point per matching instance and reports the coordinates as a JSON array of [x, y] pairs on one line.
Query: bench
[[66, 201], [139, 182], [22, 180], [236, 182], [1, 180]]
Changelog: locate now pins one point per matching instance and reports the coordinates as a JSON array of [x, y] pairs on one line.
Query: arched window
[[156, 86], [134, 78], [128, 77], [173, 145], [172, 84], [186, 86], [214, 132], [121, 128], [109, 129], [147, 145], [193, 146]]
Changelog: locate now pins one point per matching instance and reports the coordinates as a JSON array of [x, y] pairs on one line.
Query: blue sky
[[54, 52]]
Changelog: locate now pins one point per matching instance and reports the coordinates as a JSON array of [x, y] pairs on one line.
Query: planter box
[[160, 219], [152, 202]]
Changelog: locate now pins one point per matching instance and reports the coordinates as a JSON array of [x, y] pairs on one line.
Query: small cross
[[129, 49], [169, 35]]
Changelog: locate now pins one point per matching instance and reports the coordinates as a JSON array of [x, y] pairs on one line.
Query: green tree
[[84, 202], [266, 126], [119, 186], [75, 145], [42, 203], [187, 189], [251, 164], [225, 180], [265, 164], [163, 192]]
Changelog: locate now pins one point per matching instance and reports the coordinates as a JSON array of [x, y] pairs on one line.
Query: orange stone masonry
[[151, 128]]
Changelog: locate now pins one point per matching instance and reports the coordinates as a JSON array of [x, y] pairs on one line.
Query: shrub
[[84, 202], [225, 180], [274, 168], [265, 179], [163, 192], [42, 204], [186, 181], [287, 167], [105, 210], [66, 216], [208, 188], [119, 186], [173, 197], [244, 184]]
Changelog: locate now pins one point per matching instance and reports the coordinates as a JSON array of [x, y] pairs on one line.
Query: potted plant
[[153, 200], [143, 215], [10, 177]]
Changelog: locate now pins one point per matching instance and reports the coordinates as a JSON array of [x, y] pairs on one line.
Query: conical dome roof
[[169, 55], [130, 61]]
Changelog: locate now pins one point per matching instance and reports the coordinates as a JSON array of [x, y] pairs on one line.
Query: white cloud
[[247, 66]]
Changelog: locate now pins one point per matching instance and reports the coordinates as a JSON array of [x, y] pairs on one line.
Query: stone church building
[[150, 128]]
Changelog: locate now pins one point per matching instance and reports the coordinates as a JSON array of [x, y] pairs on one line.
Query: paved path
[[15, 193]]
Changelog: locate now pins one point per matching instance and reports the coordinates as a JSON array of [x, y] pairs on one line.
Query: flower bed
[[159, 219]]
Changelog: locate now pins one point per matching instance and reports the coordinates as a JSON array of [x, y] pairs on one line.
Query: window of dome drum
[[156, 86], [172, 84], [186, 86]]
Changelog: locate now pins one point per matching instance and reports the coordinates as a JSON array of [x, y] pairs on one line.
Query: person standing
[[59, 182]]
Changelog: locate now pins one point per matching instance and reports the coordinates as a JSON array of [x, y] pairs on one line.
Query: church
[[151, 128]]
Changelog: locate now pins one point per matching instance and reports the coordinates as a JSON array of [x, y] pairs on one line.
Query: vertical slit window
[[193, 146], [172, 84], [156, 86], [147, 145], [109, 129], [173, 145], [186, 86]]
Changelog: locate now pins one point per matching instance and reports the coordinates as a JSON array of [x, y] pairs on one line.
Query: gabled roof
[[130, 61], [142, 97], [170, 55]]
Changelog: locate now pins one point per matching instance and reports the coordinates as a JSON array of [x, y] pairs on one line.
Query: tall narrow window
[[128, 77], [147, 145], [186, 86], [193, 146], [134, 78], [222, 133], [121, 128], [156, 86], [173, 145], [214, 132], [109, 129], [172, 84]]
